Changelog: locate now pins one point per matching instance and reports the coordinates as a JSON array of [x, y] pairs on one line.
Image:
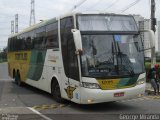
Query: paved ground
[[30, 103], [3, 71]]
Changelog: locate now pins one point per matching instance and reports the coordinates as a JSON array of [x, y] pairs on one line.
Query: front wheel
[[57, 93]]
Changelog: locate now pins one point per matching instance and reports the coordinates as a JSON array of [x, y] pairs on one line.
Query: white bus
[[84, 58]]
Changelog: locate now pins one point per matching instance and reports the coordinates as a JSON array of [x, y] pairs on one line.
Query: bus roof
[[38, 25], [46, 22]]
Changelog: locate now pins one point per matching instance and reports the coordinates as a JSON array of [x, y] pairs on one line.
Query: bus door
[[70, 62], [73, 88]]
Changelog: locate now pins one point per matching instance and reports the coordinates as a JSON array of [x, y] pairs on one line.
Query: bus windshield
[[111, 55], [116, 53], [106, 23]]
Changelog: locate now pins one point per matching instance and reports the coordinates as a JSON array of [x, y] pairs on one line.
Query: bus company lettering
[[107, 82], [21, 56], [53, 58]]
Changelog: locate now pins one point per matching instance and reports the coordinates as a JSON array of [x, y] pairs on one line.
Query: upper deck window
[[106, 23]]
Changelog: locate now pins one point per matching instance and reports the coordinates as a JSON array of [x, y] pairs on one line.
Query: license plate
[[119, 94]]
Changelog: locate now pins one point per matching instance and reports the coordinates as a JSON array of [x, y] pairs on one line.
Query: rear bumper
[[91, 96]]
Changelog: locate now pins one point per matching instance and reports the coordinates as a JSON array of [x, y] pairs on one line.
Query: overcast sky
[[46, 9]]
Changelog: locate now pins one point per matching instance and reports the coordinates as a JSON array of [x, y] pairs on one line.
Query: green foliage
[[147, 65], [3, 56]]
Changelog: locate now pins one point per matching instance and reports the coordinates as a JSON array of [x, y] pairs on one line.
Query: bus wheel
[[14, 76], [14, 73], [18, 79], [56, 92]]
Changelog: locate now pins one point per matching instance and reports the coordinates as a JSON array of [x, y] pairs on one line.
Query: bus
[[81, 57]]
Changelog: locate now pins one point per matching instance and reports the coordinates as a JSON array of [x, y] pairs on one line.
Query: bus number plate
[[119, 94]]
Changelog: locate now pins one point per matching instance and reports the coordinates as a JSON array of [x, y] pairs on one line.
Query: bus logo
[[69, 90]]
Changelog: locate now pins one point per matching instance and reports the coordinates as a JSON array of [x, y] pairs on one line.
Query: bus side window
[[28, 43], [22, 42], [8, 44], [39, 42], [52, 36], [14, 45]]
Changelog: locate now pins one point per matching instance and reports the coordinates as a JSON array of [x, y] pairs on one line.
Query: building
[[144, 24]]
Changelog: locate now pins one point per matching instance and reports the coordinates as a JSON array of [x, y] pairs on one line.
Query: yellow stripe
[[19, 61], [111, 84], [108, 84]]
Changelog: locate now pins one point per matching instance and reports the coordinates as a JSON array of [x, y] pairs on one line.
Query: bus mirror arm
[[77, 40], [79, 52]]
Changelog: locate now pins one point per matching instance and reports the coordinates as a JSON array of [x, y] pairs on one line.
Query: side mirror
[[152, 46], [151, 37], [77, 39]]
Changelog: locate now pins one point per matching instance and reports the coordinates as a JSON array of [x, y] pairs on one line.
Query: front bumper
[[91, 96]]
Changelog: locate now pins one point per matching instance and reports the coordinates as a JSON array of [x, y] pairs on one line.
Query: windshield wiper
[[124, 58]]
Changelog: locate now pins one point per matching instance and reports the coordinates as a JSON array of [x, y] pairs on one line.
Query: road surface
[[30, 103]]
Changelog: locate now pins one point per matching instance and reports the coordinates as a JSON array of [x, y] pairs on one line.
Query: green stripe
[[36, 64], [124, 82]]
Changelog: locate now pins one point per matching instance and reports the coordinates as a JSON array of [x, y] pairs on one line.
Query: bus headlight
[[90, 85], [141, 81]]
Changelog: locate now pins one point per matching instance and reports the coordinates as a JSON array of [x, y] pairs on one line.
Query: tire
[[56, 93], [14, 73], [15, 78], [18, 79]]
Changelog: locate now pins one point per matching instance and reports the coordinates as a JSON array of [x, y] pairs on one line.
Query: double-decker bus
[[84, 58]]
